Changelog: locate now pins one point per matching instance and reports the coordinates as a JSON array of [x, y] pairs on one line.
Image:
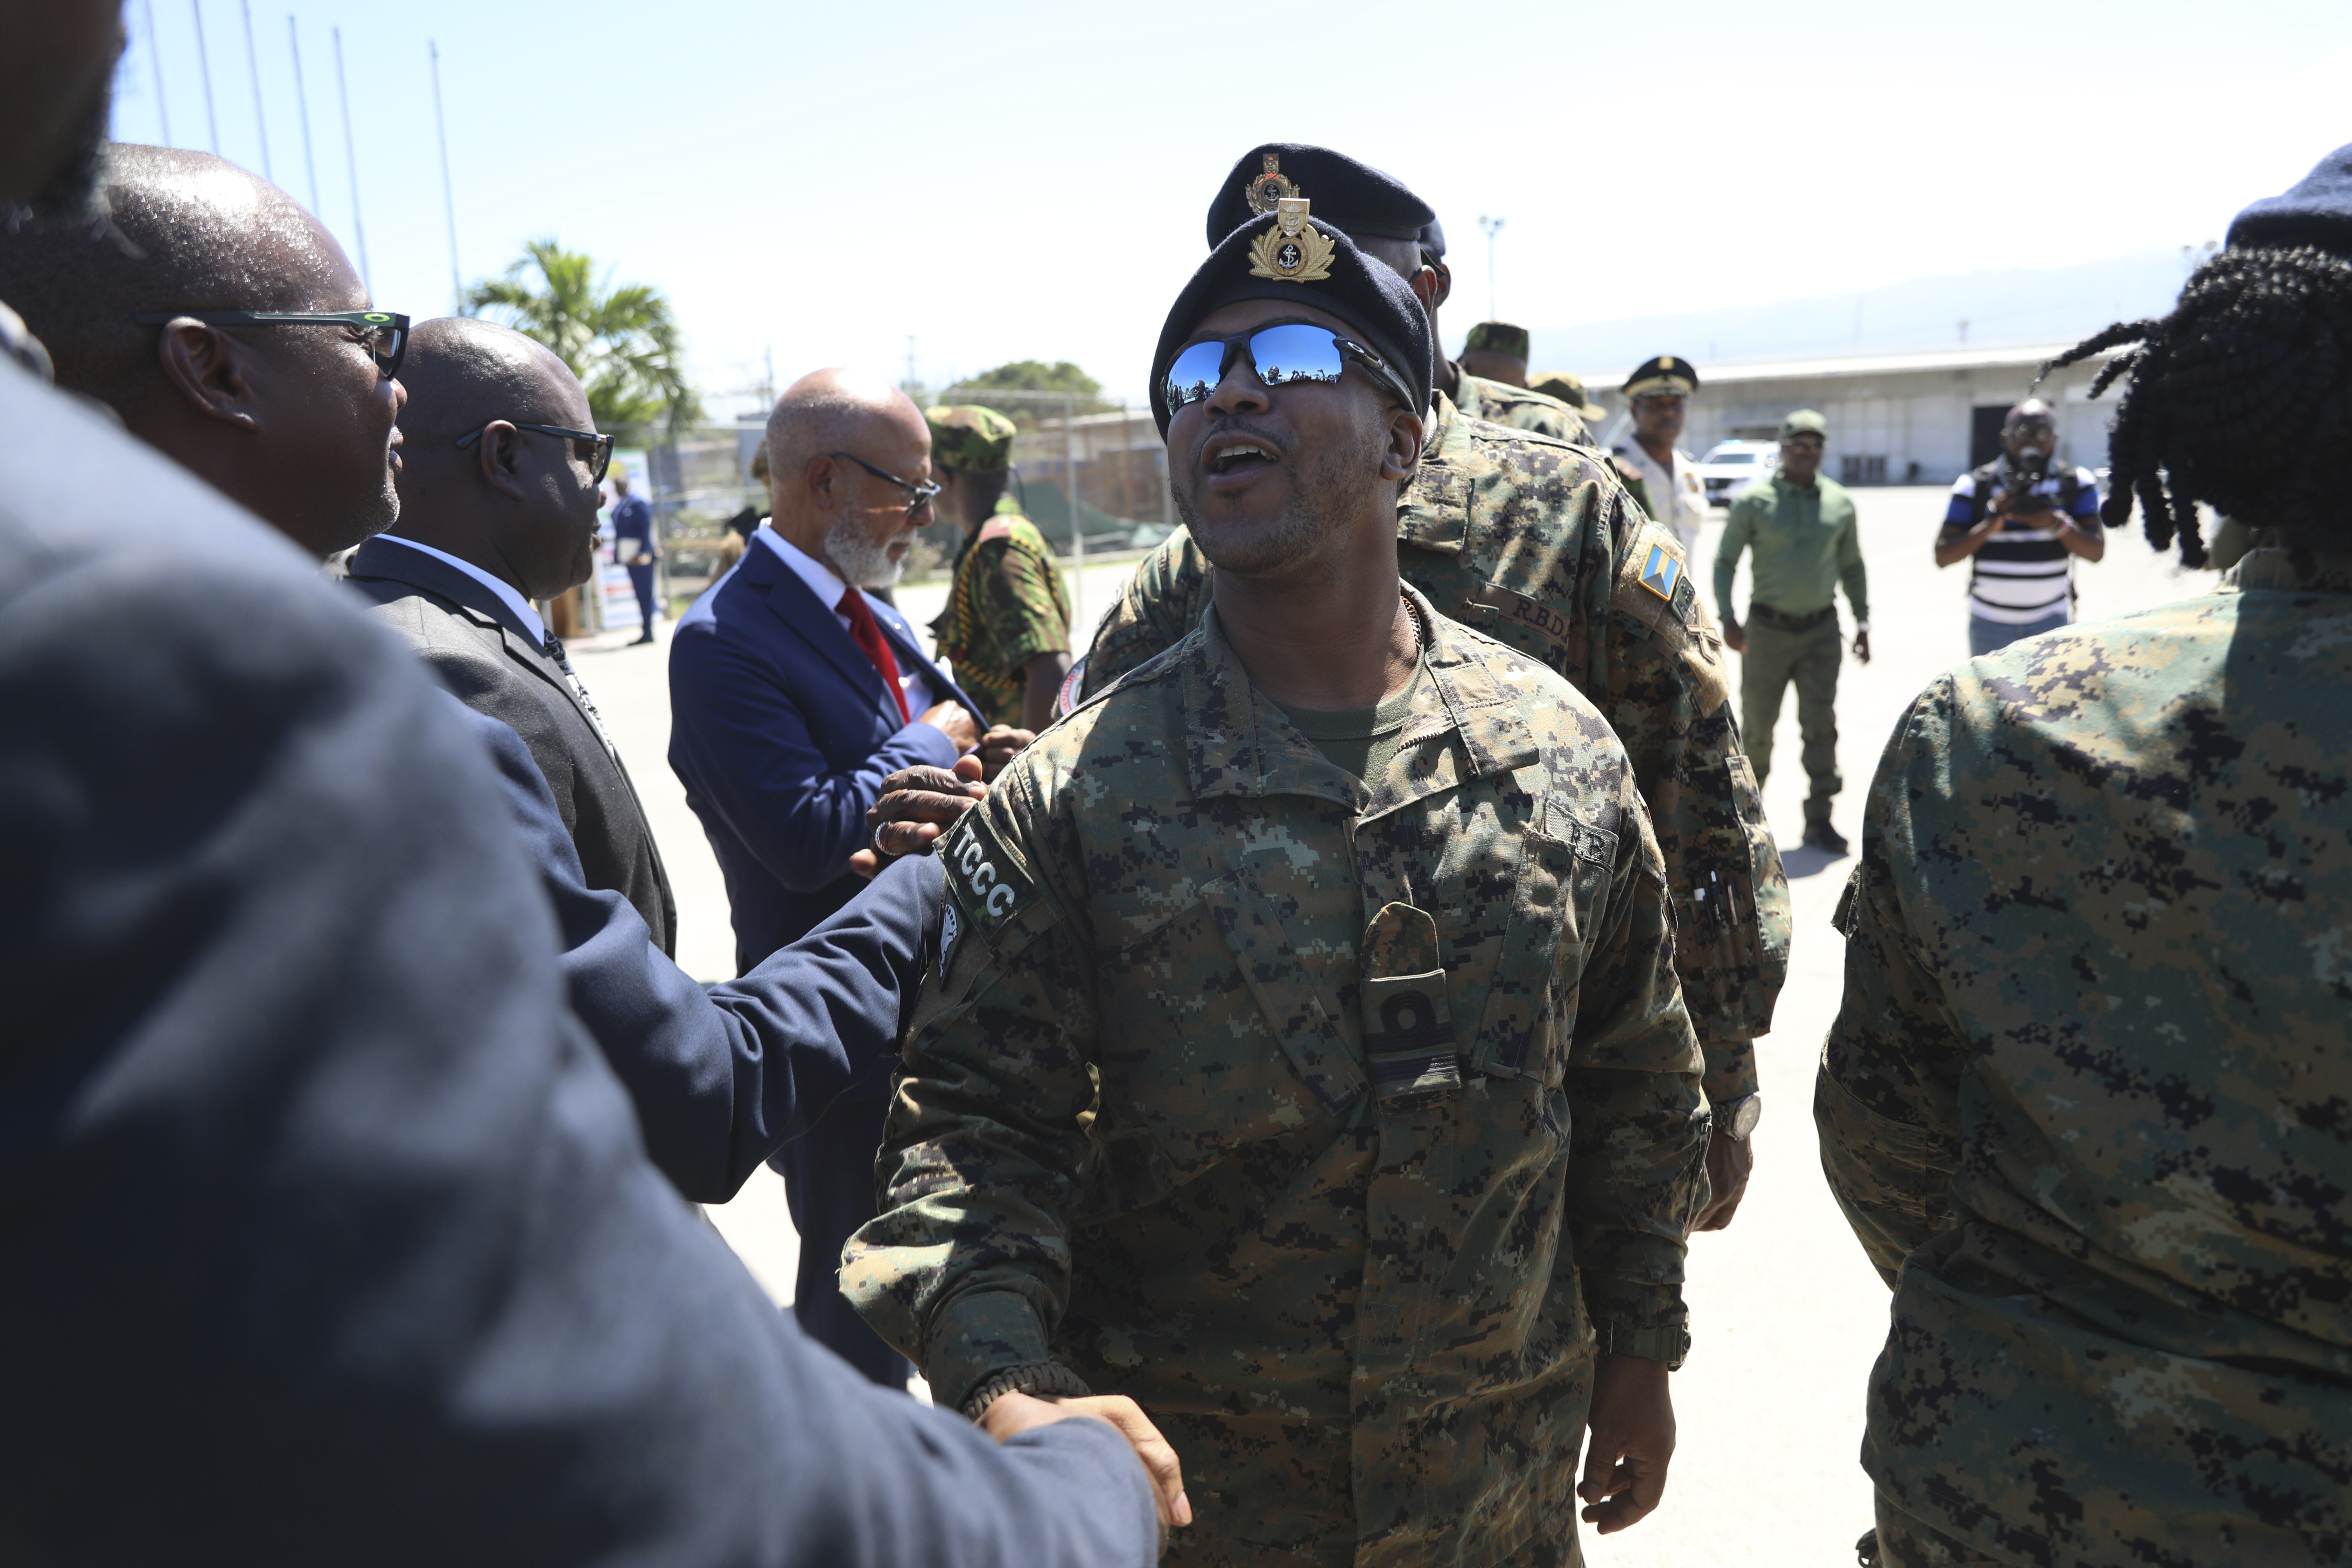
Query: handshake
[[916, 804]]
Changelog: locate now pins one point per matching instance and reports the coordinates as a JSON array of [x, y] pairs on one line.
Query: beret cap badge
[[1292, 251], [1271, 186]]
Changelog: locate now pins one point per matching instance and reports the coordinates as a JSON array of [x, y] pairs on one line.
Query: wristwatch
[[1738, 1118], [1669, 1343], [1039, 1377]]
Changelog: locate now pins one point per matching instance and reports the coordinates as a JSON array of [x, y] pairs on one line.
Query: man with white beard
[[794, 691]]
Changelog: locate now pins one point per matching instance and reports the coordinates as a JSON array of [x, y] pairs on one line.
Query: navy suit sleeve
[[721, 1077], [327, 1234], [742, 742]]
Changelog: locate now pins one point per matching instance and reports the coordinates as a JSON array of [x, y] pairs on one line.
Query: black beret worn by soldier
[[1368, 204], [1330, 1115], [1535, 541]]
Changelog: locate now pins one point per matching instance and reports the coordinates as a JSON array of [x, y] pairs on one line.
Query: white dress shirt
[[828, 587], [506, 592], [1677, 495]]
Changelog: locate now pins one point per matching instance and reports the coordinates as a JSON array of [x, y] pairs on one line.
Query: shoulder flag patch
[[1661, 572]]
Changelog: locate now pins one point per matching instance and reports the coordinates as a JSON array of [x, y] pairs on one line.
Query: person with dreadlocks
[[2085, 1104]]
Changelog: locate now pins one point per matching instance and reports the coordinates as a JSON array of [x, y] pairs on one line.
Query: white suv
[[1728, 465]]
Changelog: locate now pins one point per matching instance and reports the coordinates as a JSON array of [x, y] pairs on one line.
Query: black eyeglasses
[[922, 494], [386, 331], [597, 453], [1292, 351]]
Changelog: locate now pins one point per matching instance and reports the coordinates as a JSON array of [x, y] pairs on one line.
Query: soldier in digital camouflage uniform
[[1328, 1096], [2088, 1104], [1496, 351], [1532, 540], [1006, 627], [1568, 387]]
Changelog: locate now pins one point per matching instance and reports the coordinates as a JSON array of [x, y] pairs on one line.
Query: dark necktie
[[554, 648], [867, 633]]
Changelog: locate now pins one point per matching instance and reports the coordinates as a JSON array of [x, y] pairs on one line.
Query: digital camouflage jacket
[[2088, 1104], [1005, 606], [1533, 542], [1500, 402], [1324, 1119]]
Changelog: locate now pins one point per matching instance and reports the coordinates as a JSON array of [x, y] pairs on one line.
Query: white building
[[1923, 417]]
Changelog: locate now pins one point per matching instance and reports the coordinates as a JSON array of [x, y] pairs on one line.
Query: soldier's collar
[[1238, 741], [1433, 509], [2274, 567]]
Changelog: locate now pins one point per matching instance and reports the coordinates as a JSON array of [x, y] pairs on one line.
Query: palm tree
[[622, 342]]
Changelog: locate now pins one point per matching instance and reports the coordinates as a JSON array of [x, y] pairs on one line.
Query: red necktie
[[867, 633]]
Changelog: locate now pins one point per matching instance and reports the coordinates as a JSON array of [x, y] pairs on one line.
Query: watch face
[[1745, 1116]]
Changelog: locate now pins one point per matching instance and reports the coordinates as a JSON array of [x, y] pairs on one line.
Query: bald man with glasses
[[497, 512], [795, 690]]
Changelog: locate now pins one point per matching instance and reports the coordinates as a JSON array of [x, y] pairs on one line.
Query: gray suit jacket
[[482, 653]]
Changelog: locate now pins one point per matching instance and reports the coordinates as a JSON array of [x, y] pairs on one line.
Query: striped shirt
[[2022, 574]]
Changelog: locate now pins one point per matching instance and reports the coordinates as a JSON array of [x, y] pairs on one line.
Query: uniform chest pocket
[[1214, 1033], [1558, 904]]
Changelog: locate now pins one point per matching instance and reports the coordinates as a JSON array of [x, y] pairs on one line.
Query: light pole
[[1492, 225]]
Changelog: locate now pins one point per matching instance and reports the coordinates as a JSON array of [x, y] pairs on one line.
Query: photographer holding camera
[[2024, 520]]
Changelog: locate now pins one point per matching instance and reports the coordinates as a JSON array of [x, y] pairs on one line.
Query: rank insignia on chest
[[1293, 250], [1663, 573]]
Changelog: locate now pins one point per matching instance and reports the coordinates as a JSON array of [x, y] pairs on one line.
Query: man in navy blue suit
[[633, 546], [794, 692]]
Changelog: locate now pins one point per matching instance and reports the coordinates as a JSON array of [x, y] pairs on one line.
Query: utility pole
[[156, 58], [1493, 226], [448, 199], [205, 69], [253, 69], [351, 157], [911, 358], [302, 109]]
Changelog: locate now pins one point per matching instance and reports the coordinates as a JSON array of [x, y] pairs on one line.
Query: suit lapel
[[813, 621], [383, 558]]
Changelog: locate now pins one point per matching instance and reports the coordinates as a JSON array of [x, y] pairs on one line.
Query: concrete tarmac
[[1787, 1316]]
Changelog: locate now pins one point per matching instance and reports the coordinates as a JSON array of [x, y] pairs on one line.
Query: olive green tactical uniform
[[2088, 1105], [1006, 606], [1532, 540], [1806, 543], [1330, 1119]]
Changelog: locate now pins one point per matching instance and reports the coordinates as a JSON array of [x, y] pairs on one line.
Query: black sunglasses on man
[[591, 448], [385, 333]]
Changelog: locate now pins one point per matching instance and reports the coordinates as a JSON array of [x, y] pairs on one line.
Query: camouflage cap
[[1568, 387], [967, 436], [1497, 338], [1805, 422]]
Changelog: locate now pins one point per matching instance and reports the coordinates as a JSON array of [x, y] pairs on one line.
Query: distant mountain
[[2019, 305]]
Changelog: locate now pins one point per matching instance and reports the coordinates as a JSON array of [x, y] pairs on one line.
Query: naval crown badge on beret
[[1293, 250], [1269, 187]]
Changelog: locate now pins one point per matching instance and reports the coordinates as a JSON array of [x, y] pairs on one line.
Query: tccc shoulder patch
[[987, 884]]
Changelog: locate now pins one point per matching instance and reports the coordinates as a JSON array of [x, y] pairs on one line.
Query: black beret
[[2317, 211], [1347, 195], [1663, 373], [1432, 241], [1371, 299]]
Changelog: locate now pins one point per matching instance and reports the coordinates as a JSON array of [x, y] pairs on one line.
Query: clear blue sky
[[1029, 181]]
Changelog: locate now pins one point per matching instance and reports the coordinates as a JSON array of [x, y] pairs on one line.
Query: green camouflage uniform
[[1531, 539], [1186, 1113], [2088, 1104], [1007, 607], [1500, 402]]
